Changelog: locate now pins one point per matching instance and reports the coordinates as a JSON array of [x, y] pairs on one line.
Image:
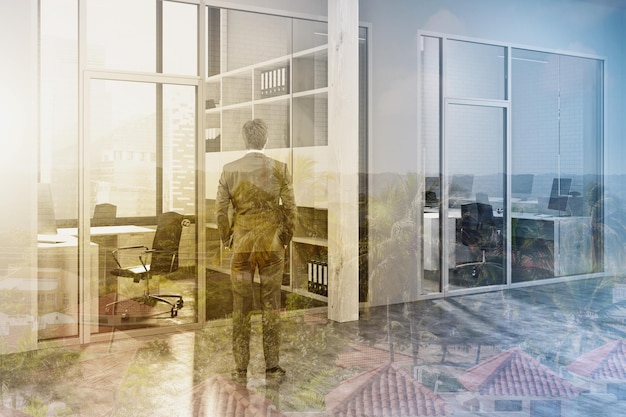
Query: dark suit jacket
[[261, 192]]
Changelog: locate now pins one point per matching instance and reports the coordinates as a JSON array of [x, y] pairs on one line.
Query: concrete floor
[[435, 341]]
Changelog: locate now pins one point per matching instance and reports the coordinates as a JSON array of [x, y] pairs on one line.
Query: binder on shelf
[[317, 277], [310, 276], [212, 139], [274, 82]]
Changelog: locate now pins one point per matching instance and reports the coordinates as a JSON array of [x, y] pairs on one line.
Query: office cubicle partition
[[538, 163]]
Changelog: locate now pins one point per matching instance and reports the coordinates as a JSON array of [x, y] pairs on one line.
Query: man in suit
[[261, 193]]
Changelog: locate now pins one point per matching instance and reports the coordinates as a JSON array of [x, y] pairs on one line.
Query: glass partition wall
[[110, 172], [140, 146], [512, 165], [141, 150], [556, 165], [279, 75]]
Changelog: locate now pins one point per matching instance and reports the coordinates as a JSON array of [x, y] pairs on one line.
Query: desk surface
[[550, 217], [107, 230], [56, 240], [455, 213]]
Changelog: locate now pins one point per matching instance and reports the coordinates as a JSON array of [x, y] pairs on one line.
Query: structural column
[[343, 145]]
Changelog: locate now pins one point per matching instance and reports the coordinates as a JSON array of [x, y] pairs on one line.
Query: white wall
[[18, 158]]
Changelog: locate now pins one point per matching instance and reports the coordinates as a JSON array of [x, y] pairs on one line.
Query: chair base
[[152, 300], [477, 276]]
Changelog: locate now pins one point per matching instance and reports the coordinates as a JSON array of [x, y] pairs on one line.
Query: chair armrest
[[131, 247], [150, 252], [123, 248]]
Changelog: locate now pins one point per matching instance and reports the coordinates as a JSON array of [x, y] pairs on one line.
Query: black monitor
[[559, 195], [431, 191], [522, 185], [560, 186], [431, 184]]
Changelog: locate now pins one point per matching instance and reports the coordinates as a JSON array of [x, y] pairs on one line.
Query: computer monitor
[[431, 184], [559, 195], [522, 185], [560, 186], [431, 191]]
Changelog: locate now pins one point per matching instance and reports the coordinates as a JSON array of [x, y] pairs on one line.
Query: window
[[538, 165], [619, 390], [508, 405], [546, 408]]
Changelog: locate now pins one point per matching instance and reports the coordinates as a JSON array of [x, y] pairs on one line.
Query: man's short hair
[[255, 134]]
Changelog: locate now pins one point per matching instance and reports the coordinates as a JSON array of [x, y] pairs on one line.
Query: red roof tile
[[222, 397], [384, 391], [604, 363], [515, 373]]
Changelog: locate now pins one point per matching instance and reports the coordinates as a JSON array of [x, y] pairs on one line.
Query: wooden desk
[[109, 238], [109, 230]]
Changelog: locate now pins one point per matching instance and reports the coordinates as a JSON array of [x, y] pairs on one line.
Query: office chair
[[161, 259], [479, 230], [104, 214]]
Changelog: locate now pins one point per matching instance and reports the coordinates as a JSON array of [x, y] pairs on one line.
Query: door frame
[[86, 316], [448, 242]]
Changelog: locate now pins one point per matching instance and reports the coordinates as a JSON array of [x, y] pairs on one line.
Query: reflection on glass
[[476, 70], [57, 279], [309, 34], [475, 138], [556, 165], [142, 165], [124, 146], [430, 186], [255, 45]]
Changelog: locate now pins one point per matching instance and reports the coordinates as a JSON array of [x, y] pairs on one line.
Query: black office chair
[[104, 214], [161, 259], [479, 231]]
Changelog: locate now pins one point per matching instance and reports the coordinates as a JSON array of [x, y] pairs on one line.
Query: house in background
[[387, 390], [513, 381], [602, 372]]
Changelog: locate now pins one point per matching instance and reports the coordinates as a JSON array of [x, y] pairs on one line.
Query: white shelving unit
[[291, 94]]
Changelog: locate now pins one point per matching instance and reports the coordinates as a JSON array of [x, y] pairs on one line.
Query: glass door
[[474, 218], [141, 192]]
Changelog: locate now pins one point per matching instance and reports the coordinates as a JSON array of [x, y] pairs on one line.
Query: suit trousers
[[270, 265]]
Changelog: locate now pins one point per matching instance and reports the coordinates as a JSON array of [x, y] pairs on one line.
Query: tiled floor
[[540, 329]]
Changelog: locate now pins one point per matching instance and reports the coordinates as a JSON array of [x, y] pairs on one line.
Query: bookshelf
[[291, 94]]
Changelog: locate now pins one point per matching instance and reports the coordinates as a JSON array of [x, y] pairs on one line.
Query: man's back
[[256, 185]]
